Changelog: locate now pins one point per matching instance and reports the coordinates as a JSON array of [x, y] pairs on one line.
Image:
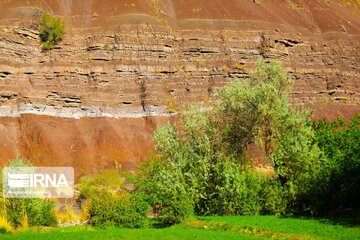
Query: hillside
[[126, 66]]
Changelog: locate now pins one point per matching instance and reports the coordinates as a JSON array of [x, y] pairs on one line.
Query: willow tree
[[205, 161], [258, 112]]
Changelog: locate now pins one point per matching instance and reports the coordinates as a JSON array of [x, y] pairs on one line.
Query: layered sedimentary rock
[[126, 66]]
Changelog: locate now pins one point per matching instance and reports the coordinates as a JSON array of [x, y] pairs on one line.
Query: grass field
[[242, 227]]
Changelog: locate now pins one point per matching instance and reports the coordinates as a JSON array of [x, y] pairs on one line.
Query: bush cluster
[[30, 212], [338, 183], [109, 203], [204, 167], [121, 209], [26, 212], [51, 30]]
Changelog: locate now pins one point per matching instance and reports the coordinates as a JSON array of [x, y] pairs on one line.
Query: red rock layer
[[88, 144]]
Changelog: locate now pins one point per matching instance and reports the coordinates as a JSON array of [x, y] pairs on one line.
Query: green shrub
[[110, 203], [164, 189], [51, 30], [190, 177], [108, 181], [174, 211], [237, 191], [273, 198], [38, 212], [338, 183], [121, 209], [28, 211]]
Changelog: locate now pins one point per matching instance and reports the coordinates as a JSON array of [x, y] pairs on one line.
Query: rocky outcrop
[[125, 65]]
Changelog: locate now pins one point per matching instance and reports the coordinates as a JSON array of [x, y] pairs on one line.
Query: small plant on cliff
[[52, 30]]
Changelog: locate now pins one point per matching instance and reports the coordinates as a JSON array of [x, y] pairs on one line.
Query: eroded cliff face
[[126, 66]]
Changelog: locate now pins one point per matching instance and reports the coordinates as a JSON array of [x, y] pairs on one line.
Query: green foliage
[[237, 191], [165, 191], [51, 30], [28, 211], [108, 181], [339, 181], [121, 209], [37, 211], [259, 113], [175, 210], [250, 111], [206, 163], [273, 198], [111, 203]]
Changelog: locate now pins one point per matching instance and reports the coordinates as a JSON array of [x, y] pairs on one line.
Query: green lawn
[[242, 227], [118, 233], [293, 227]]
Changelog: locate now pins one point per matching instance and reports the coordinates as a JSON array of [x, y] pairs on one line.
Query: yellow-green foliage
[[24, 221], [155, 6], [171, 105], [95, 14], [175, 105], [199, 62], [51, 30], [196, 10], [2, 207], [66, 216], [225, 68], [5, 226], [351, 2], [109, 181], [84, 214], [237, 66], [108, 202], [293, 5], [157, 13]]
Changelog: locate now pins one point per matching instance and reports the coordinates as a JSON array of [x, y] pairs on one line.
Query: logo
[[38, 182]]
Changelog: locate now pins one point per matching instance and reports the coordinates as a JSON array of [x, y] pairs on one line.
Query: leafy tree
[[259, 112], [206, 163]]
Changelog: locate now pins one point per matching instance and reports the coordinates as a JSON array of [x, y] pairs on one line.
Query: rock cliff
[[126, 66]]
